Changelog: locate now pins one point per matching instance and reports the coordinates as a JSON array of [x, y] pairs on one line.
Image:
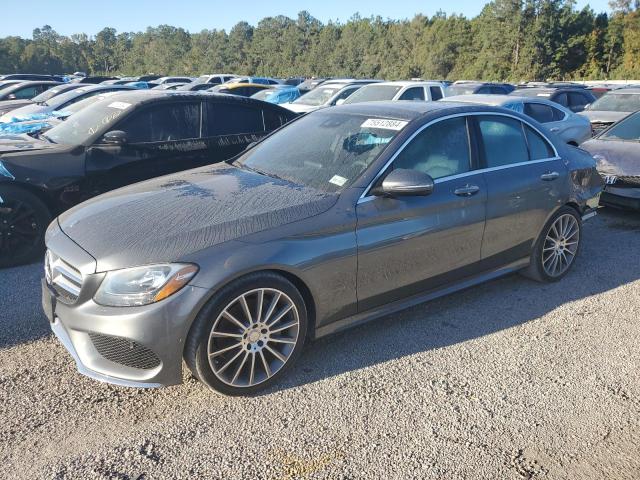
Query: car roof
[[233, 85], [409, 83], [409, 110], [137, 96], [548, 90], [624, 91]]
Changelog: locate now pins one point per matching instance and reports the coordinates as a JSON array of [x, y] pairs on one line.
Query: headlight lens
[[143, 285]]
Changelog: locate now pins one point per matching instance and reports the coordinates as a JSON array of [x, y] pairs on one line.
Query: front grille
[[628, 181], [64, 278], [597, 127], [124, 352]]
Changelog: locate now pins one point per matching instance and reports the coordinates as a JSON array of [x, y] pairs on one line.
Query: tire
[[542, 261], [251, 365], [24, 218]]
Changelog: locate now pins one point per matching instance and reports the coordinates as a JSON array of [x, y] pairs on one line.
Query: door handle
[[555, 129], [467, 190], [547, 177]]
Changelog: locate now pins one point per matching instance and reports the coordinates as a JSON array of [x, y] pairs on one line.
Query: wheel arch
[[41, 195]]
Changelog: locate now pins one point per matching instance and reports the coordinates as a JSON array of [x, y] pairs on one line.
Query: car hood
[[167, 218], [615, 157], [15, 142], [23, 111], [603, 116]]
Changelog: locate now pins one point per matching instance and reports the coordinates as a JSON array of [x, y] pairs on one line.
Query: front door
[[408, 245]]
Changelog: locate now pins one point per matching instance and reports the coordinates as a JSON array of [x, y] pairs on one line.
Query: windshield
[[627, 129], [617, 102], [264, 94], [63, 98], [89, 123], [319, 96], [461, 90], [341, 147], [528, 92], [77, 106], [374, 93]]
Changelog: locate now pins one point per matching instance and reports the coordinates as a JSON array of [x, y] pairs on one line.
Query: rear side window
[[414, 93], [539, 148], [440, 150], [436, 93], [229, 119], [538, 111], [483, 90], [558, 115], [503, 141], [163, 123], [499, 90], [273, 120]]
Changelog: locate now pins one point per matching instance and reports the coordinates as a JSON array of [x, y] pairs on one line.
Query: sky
[[79, 16]]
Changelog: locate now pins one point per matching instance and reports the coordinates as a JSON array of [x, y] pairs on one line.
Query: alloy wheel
[[560, 245], [253, 337], [19, 228]]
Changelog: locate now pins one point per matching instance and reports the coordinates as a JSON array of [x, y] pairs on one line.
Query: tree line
[[510, 40]]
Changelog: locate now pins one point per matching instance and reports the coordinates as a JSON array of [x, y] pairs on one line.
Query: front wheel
[[23, 221], [555, 251], [248, 334]]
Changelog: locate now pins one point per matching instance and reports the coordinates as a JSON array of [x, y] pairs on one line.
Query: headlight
[[143, 285]]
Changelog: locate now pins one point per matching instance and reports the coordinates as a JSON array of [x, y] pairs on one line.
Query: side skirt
[[403, 304]]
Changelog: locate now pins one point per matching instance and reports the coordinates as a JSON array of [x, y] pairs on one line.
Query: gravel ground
[[509, 380]]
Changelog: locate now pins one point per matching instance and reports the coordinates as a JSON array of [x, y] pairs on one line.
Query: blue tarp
[[282, 95], [16, 128], [37, 116]]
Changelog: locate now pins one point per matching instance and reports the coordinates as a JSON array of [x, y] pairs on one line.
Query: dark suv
[[122, 139], [575, 99]]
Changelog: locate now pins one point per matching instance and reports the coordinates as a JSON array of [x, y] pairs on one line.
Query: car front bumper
[[621, 197]]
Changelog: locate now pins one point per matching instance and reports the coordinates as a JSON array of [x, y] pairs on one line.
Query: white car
[[333, 92], [570, 127], [404, 90]]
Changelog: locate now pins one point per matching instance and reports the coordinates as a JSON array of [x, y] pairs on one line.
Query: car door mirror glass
[[115, 137], [12, 97], [403, 182]]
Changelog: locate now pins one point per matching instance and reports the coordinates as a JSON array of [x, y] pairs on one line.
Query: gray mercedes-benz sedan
[[341, 216]]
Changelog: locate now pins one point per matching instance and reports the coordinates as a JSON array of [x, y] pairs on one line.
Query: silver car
[[342, 216], [570, 127], [612, 107]]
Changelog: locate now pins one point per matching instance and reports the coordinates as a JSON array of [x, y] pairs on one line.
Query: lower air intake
[[124, 352]]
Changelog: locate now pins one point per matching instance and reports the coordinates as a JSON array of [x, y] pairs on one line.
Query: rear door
[[525, 182], [408, 245], [228, 128]]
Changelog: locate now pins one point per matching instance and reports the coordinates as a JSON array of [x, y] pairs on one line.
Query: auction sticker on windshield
[[384, 123], [338, 180]]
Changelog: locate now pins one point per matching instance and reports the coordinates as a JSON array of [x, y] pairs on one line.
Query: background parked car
[[617, 151], [278, 94], [196, 87], [23, 91], [60, 102], [392, 91], [94, 79], [240, 89], [327, 94], [297, 239], [311, 83], [575, 99], [170, 86], [163, 80], [569, 126], [9, 105], [119, 140], [465, 87], [612, 107], [31, 76], [255, 80], [214, 79]]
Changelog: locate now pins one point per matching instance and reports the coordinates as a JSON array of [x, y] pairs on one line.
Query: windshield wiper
[[272, 175], [42, 135], [43, 104]]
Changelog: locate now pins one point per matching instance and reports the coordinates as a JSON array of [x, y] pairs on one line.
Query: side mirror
[[340, 101], [402, 182], [115, 137], [12, 97]]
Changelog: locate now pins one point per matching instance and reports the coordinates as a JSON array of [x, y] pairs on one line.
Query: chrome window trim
[[364, 197]]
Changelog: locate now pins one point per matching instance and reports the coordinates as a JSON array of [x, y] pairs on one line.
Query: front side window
[[231, 119], [578, 100], [414, 93], [163, 123], [562, 99], [26, 93], [273, 120], [374, 93], [347, 92], [440, 150], [503, 141]]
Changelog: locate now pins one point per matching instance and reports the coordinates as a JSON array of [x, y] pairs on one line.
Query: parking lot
[[511, 379]]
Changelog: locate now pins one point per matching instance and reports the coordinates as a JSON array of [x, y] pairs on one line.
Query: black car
[[94, 79], [574, 98], [479, 88], [122, 139], [25, 90]]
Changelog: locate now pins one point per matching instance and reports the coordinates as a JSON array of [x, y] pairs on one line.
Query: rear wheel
[[557, 247], [248, 335], [23, 221]]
